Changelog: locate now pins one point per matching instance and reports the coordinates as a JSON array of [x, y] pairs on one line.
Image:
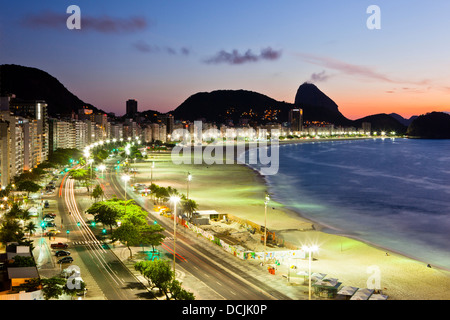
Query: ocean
[[392, 193]]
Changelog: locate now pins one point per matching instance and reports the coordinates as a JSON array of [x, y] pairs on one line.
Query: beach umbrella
[[348, 291], [362, 294], [378, 296]]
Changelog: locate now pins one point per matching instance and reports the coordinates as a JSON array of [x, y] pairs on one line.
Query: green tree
[[21, 261], [30, 285], [30, 228], [28, 186], [160, 275], [105, 213], [53, 287], [97, 192], [151, 235], [83, 176], [10, 231], [189, 206], [127, 233]]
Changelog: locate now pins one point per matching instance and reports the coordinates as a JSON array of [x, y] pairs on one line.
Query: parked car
[[46, 204], [59, 245], [49, 219], [50, 214], [50, 224], [66, 260], [62, 253]]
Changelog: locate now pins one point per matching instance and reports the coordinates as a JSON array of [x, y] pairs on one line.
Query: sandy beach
[[238, 190]]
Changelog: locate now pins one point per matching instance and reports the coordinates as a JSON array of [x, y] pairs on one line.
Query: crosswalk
[[86, 242]]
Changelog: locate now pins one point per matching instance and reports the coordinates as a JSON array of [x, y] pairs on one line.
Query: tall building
[[36, 112], [132, 108], [296, 119]]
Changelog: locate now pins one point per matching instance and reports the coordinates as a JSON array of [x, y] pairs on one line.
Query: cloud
[[354, 70], [236, 58], [319, 77], [104, 24], [144, 47]]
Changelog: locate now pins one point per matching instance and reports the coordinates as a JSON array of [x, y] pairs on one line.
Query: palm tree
[[30, 228], [25, 215], [189, 207]]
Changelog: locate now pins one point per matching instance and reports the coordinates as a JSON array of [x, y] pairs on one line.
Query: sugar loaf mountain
[[224, 106]]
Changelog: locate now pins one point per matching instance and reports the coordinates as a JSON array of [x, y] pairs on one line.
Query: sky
[[162, 52]]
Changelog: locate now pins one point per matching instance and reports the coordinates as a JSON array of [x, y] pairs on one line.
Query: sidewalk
[[278, 282]]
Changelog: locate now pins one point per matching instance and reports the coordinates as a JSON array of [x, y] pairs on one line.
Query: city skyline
[[162, 53]]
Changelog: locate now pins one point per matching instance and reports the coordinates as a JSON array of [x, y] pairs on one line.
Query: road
[[211, 269], [111, 275]]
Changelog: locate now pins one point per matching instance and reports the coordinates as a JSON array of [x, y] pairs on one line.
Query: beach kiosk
[[327, 288]]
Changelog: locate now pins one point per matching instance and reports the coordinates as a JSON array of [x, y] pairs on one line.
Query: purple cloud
[[104, 24], [144, 47], [354, 70], [319, 77], [235, 58]]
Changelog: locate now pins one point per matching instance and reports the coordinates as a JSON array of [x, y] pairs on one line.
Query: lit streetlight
[[189, 178], [102, 168], [151, 176], [125, 178], [310, 250], [266, 201], [174, 200]]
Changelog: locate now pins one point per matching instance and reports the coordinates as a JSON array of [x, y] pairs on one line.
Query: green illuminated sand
[[238, 190]]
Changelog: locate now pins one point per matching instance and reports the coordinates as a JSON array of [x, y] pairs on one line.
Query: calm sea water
[[392, 193]]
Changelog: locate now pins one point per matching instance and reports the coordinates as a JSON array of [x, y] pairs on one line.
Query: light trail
[[97, 251]]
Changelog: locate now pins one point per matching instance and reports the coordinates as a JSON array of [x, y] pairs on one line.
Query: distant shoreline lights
[[262, 147]]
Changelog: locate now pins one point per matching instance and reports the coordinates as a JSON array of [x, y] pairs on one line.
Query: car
[[50, 224], [49, 219], [66, 260], [62, 253], [52, 233], [59, 245], [50, 214], [46, 204]]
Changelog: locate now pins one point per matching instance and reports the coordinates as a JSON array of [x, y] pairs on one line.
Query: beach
[[237, 190]]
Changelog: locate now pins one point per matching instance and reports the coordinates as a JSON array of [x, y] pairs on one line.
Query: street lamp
[[174, 200], [189, 178], [126, 178], [102, 168], [151, 177], [310, 250], [265, 225]]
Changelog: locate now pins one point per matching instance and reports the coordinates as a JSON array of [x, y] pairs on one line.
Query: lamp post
[[126, 178], [310, 250], [151, 174], [90, 162], [265, 225], [174, 200], [102, 168], [189, 178]]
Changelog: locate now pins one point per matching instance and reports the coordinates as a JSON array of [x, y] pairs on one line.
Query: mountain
[[382, 122], [434, 125], [399, 118], [317, 106], [34, 84], [223, 105]]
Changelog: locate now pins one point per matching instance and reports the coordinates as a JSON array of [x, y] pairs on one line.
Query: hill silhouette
[[218, 106], [434, 125], [34, 84]]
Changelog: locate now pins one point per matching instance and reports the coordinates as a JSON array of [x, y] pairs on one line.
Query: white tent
[[33, 211]]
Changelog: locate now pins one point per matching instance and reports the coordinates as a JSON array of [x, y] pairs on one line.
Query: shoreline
[[239, 190], [320, 226]]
